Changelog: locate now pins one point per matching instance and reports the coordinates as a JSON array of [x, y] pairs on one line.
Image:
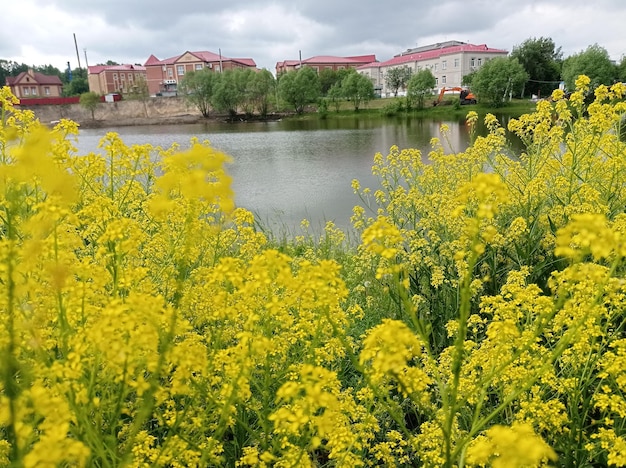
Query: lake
[[290, 170]]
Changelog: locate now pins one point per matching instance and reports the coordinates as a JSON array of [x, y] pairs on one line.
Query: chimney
[[31, 72]]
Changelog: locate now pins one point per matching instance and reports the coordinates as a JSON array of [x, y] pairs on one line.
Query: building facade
[[107, 79], [163, 76], [449, 62], [325, 62], [30, 84]]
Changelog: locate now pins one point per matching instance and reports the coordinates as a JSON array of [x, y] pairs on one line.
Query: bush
[[480, 320]]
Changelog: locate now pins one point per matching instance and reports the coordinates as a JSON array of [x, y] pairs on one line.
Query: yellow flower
[[510, 447]]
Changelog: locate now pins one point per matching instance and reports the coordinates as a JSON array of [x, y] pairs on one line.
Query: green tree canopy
[[357, 88], [300, 87], [420, 85], [335, 95], [227, 94], [78, 86], [262, 89], [593, 62], [397, 78], [542, 61], [90, 101], [197, 88], [497, 79]]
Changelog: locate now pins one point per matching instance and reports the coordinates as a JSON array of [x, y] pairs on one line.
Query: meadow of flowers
[[478, 321]]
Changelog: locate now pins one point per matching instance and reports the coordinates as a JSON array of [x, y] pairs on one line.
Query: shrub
[[480, 320]]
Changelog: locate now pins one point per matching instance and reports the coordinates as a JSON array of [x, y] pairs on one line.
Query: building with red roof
[[107, 79], [163, 76], [448, 61], [31, 84], [325, 62]]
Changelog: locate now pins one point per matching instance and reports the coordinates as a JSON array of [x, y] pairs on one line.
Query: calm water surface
[[290, 170]]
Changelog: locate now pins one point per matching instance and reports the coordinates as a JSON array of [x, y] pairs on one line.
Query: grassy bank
[[397, 107]]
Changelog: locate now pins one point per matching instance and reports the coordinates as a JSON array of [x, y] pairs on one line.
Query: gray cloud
[[130, 31]]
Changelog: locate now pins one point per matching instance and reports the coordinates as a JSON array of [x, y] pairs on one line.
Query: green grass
[[375, 108]]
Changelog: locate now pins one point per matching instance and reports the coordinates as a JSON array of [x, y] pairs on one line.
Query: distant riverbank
[[174, 110]]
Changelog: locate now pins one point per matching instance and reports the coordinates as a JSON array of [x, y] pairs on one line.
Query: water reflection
[[293, 169]]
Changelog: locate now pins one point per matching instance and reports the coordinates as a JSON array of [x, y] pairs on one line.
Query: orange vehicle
[[465, 95]]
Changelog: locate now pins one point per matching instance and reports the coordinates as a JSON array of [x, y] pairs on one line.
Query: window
[[456, 63], [170, 72], [436, 66], [123, 77], [26, 90], [444, 64], [180, 70], [480, 62], [33, 91], [199, 66], [46, 91], [436, 81], [443, 79], [114, 76], [472, 62]]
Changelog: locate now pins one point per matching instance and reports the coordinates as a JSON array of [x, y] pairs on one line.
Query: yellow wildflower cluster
[[144, 321]]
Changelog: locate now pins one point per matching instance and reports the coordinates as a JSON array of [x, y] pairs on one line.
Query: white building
[[448, 61]]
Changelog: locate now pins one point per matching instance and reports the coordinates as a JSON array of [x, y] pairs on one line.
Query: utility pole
[[77, 54], [86, 62]]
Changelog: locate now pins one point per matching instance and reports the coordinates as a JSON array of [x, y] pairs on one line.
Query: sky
[[42, 32]]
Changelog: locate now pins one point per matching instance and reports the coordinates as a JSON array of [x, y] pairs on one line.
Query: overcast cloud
[[40, 32]]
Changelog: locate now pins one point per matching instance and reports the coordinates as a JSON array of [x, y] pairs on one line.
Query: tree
[[498, 79], [420, 85], [227, 95], [10, 68], [140, 91], [197, 88], [300, 87], [593, 62], [262, 87], [335, 95], [328, 77], [77, 84], [397, 78], [357, 88], [542, 61], [90, 102]]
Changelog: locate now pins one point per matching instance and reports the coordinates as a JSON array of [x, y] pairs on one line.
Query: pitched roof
[[203, 56], [39, 78], [359, 59], [97, 69], [152, 60], [436, 53]]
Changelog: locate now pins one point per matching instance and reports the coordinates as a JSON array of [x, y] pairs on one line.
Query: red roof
[[152, 60], [203, 56], [97, 69], [436, 53], [39, 78], [359, 59]]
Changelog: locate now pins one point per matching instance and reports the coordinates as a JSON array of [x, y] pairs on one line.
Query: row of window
[[32, 91], [180, 69], [474, 62], [122, 76]]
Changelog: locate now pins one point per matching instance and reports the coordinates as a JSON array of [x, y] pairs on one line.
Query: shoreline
[[175, 120]]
